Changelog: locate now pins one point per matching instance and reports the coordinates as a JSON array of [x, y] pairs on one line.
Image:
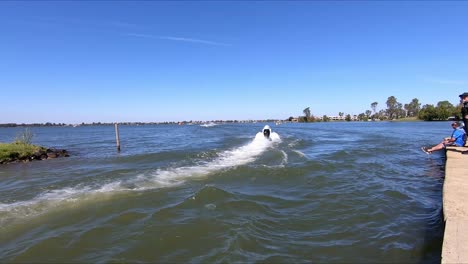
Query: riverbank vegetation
[[23, 150], [184, 122], [17, 151], [394, 111]]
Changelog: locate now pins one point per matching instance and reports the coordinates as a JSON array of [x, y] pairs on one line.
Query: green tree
[[341, 114], [412, 109], [407, 109], [393, 108], [306, 113], [368, 113], [400, 112], [444, 110], [348, 117], [325, 118], [363, 117], [374, 107], [428, 113], [382, 115]]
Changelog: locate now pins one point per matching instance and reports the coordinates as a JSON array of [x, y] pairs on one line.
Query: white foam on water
[[285, 158], [160, 178], [227, 159], [61, 198], [300, 153], [208, 125], [293, 143]]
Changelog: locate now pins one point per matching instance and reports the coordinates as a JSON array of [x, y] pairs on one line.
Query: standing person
[[457, 139], [464, 110]]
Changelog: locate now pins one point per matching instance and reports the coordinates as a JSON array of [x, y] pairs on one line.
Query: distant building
[[337, 118]]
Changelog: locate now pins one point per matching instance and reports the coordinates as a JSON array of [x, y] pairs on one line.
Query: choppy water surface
[[326, 192]]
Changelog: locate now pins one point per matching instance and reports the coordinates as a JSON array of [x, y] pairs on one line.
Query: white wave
[[300, 153], [285, 158], [209, 125], [60, 199], [227, 159], [294, 143], [157, 179], [282, 164]]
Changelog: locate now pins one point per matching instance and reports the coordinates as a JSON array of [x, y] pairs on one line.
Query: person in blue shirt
[[457, 139]]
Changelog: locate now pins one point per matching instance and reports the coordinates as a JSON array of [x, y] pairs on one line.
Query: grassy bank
[[17, 151], [22, 150], [407, 119]]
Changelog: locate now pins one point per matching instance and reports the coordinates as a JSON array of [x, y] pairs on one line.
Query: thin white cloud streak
[[200, 41], [91, 25]]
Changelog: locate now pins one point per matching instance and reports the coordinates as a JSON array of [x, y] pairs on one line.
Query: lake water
[[326, 192]]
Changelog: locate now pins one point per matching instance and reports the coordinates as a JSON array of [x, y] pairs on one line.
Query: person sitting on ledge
[[457, 139]]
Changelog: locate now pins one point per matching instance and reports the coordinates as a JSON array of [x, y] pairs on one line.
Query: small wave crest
[[300, 153], [60, 198]]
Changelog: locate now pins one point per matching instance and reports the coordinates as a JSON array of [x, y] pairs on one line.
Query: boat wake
[[211, 124], [159, 178]]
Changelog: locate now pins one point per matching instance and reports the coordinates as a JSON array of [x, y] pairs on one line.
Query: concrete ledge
[[455, 247], [455, 207]]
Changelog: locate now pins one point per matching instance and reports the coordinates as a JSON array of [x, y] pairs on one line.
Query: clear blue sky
[[85, 61]]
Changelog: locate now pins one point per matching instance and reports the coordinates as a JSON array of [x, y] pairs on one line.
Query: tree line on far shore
[[444, 110]]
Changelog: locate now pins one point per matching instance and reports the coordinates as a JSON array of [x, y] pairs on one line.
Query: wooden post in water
[[117, 138]]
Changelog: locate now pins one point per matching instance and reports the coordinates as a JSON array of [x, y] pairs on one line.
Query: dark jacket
[[464, 110]]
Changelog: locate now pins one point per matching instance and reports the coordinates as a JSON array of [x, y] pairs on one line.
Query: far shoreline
[[277, 121]]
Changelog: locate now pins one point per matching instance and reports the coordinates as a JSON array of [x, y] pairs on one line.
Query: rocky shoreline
[[42, 154]]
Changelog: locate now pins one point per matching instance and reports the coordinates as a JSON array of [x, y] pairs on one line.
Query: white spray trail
[[156, 179], [228, 159], [211, 124]]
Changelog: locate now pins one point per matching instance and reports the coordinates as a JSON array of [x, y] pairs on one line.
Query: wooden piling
[[117, 138]]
